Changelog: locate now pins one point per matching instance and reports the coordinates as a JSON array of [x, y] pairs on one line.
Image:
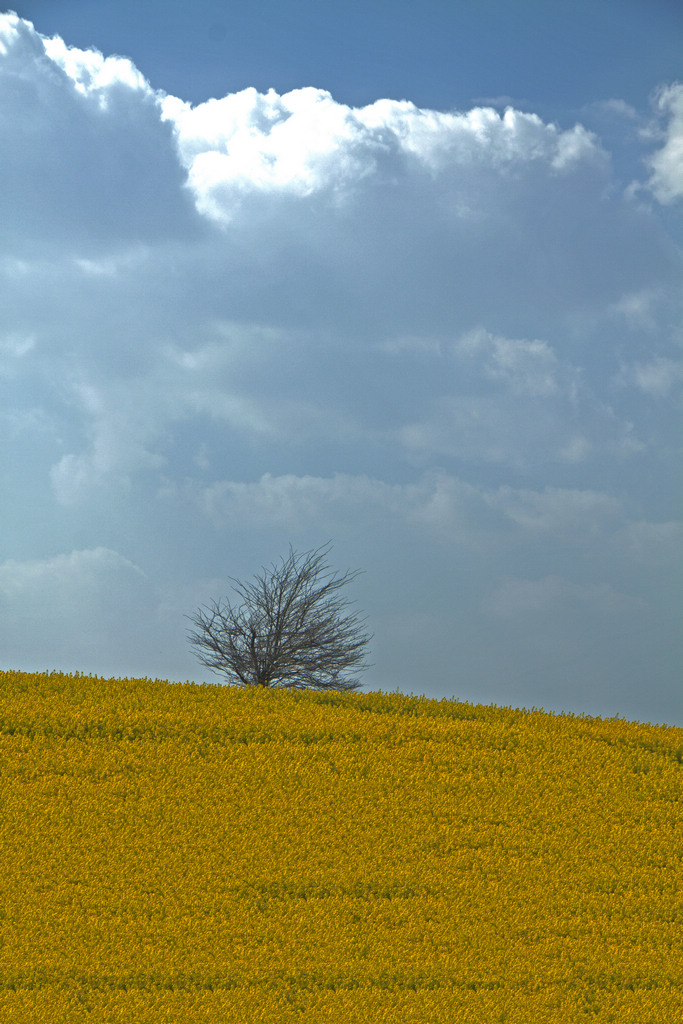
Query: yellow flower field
[[188, 854]]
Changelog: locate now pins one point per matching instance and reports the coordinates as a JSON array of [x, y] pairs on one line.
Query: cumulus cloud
[[563, 512], [656, 378], [304, 143], [437, 501], [94, 610], [86, 157], [64, 571], [71, 611], [432, 334], [93, 74], [416, 210], [617, 107], [653, 544], [667, 164], [510, 401], [291, 500], [14, 346], [638, 310], [527, 367], [123, 427], [514, 432]]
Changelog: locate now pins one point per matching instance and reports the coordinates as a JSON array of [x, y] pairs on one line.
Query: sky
[[401, 277]]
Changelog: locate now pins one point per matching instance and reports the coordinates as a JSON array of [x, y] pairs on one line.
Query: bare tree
[[289, 631]]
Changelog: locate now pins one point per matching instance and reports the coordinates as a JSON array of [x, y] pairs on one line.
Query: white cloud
[[15, 344], [638, 310], [527, 367], [17, 37], [304, 143], [272, 317], [112, 172], [248, 142], [293, 500], [577, 449], [91, 72], [509, 401], [656, 378], [236, 410], [94, 610], [75, 611], [563, 512], [450, 223], [513, 431], [45, 579], [667, 164], [442, 503], [653, 544], [123, 425], [616, 107]]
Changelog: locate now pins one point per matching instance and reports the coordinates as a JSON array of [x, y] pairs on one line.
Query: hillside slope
[[200, 853]]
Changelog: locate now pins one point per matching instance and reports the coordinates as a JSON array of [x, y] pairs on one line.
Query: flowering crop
[[190, 854]]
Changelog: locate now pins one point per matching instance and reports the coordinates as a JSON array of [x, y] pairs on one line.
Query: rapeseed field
[[188, 854]]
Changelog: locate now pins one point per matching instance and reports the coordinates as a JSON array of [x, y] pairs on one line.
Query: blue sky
[[406, 277]]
